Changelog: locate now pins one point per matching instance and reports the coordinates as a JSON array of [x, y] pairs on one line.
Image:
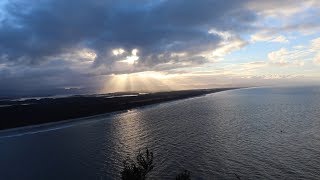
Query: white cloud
[[317, 59], [279, 16], [284, 57], [227, 47], [87, 54], [280, 39], [254, 65], [298, 63], [298, 55], [299, 47], [132, 58], [315, 44], [304, 28], [313, 50], [225, 35], [283, 8], [231, 42], [259, 37], [268, 37], [279, 57]]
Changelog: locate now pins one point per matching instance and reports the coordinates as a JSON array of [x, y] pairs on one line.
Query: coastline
[[77, 108]]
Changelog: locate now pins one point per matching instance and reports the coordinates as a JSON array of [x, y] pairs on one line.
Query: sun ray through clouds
[[143, 81]]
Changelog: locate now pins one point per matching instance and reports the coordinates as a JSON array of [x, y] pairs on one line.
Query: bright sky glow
[[117, 52], [133, 58], [148, 81]]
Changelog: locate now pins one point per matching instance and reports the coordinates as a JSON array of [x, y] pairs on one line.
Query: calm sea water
[[259, 133]]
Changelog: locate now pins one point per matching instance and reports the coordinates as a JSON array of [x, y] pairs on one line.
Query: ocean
[[252, 133]]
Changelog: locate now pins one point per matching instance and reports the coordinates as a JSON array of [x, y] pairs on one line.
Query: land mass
[[32, 111]]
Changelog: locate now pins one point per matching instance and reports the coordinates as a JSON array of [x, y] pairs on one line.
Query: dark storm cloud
[[45, 79], [36, 30]]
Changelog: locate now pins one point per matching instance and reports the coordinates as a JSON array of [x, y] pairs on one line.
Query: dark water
[[261, 133]]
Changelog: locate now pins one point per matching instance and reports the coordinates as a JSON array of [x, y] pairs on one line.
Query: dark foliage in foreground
[[138, 170], [185, 175]]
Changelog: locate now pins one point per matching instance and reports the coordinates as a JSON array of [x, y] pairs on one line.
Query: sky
[[102, 46]]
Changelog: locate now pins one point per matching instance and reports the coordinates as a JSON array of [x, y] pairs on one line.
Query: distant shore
[[19, 113]]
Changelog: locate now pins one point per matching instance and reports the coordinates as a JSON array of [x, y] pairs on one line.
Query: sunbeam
[[143, 81]]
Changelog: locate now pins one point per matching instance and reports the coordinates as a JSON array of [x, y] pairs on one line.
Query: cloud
[[268, 37], [42, 31], [57, 43], [280, 39], [283, 57], [315, 44], [231, 42], [156, 28], [312, 47], [46, 79], [315, 47], [279, 57], [284, 8], [297, 56], [82, 35], [287, 16], [78, 37], [317, 59], [253, 65], [205, 79]]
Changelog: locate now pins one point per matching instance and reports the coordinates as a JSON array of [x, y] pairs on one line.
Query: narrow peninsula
[[33, 111]]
